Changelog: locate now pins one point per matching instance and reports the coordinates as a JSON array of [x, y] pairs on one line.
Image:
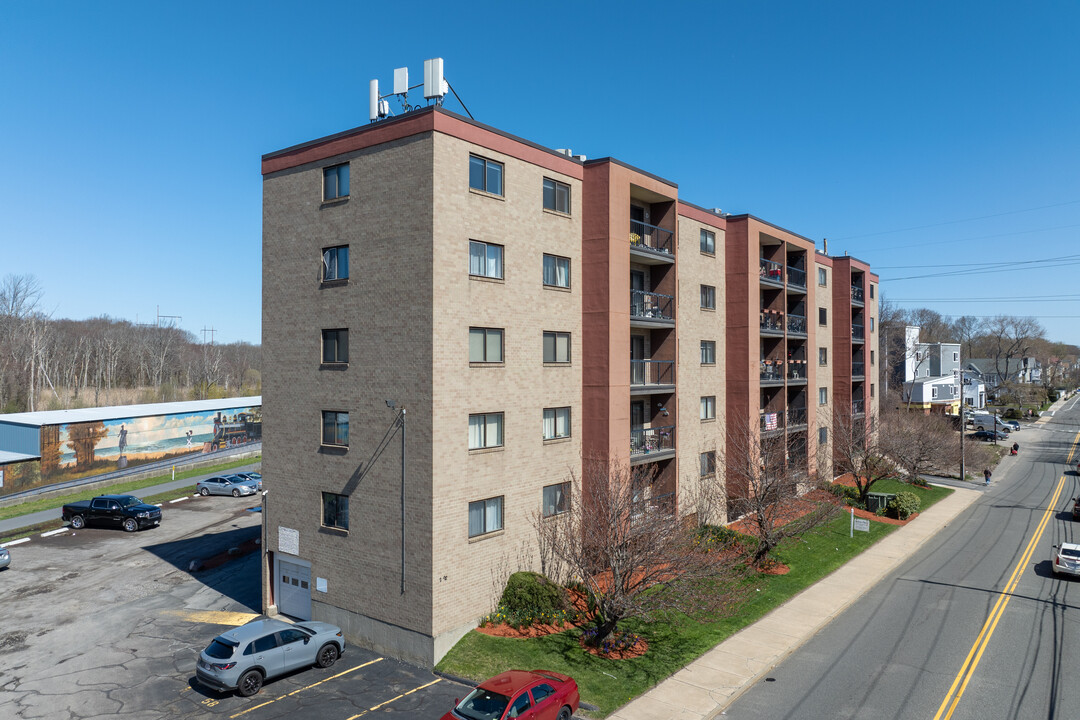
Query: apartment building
[[529, 309]]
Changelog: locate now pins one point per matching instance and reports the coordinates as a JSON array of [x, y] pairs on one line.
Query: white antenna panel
[[401, 81], [434, 85], [373, 100]]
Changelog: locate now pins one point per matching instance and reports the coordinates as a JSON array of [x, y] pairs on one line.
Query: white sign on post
[[861, 524]]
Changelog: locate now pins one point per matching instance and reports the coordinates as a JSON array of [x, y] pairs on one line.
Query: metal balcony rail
[[651, 306], [858, 407], [772, 320], [772, 370], [772, 421], [652, 372], [796, 370], [796, 416], [772, 270], [858, 332], [650, 237], [795, 276], [650, 440], [796, 324], [856, 293], [858, 368]]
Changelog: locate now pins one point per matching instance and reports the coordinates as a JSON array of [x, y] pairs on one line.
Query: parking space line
[[20, 541], [376, 707], [178, 500], [270, 702], [54, 532]]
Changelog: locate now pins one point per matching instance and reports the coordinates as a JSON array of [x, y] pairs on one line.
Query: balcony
[[856, 295], [858, 333], [796, 325], [772, 421], [796, 417], [772, 322], [858, 407], [772, 372], [858, 369], [650, 444], [649, 376], [796, 277], [649, 309], [772, 273], [796, 371], [651, 244]]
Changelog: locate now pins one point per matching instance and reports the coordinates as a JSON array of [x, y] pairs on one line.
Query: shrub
[[904, 505], [848, 493], [1011, 414], [532, 592]]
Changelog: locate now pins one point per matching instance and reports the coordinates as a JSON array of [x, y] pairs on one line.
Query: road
[[973, 626]]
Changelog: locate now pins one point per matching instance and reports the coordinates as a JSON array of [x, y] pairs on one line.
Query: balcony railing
[[856, 293], [796, 416], [858, 332], [651, 440], [796, 370], [796, 324], [772, 271], [772, 320], [772, 370], [858, 369], [644, 373], [650, 237], [651, 306], [772, 421], [795, 276], [858, 407]]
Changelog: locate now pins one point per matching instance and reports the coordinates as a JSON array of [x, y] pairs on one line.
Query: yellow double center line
[[967, 670]]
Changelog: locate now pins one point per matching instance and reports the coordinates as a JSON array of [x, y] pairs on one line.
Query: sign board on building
[[288, 541]]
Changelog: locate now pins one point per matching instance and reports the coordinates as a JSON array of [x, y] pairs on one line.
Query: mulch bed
[[523, 633], [638, 649]]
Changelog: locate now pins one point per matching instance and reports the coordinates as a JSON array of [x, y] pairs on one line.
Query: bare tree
[[634, 557], [859, 450], [1011, 338], [919, 443]]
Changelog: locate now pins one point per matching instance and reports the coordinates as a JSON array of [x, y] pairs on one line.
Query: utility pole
[[963, 424], [160, 317], [208, 330]]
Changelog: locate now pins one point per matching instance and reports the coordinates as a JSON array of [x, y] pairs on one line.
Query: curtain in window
[[477, 258], [493, 514], [476, 431], [494, 261], [562, 347], [562, 422], [476, 518], [476, 345], [493, 430], [549, 424]]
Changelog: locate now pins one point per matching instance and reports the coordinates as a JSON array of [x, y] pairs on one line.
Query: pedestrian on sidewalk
[[987, 474]]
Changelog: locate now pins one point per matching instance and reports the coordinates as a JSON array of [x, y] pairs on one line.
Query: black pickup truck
[[126, 511]]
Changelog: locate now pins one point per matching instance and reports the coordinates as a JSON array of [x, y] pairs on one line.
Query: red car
[[526, 694]]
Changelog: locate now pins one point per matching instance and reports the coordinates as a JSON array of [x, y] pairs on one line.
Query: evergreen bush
[[904, 505]]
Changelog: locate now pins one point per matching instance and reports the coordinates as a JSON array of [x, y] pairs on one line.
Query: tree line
[[53, 364]]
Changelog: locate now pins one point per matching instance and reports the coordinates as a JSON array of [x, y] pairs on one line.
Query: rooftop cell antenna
[[435, 88]]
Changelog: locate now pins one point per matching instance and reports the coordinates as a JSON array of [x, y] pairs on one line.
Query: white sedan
[[1066, 559]]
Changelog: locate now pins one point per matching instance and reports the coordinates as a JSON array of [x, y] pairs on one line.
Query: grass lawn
[[31, 506], [927, 496], [609, 684]]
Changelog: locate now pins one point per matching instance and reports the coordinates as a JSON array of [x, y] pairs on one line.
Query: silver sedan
[[230, 485], [5, 558]]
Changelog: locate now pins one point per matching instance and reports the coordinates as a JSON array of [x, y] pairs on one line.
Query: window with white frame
[[556, 271], [336, 182], [708, 463], [335, 428], [823, 396], [485, 516], [485, 345], [555, 499], [335, 263], [933, 393], [556, 196], [485, 259], [485, 430], [708, 352], [822, 277], [708, 241], [556, 423], [485, 175], [708, 297], [556, 347], [708, 407]]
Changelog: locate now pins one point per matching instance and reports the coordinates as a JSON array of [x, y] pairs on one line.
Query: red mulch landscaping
[[638, 649], [531, 631]]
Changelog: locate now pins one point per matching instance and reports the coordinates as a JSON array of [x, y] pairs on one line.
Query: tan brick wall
[[872, 376], [821, 415]]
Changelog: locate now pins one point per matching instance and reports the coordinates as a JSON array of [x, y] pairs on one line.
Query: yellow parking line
[[270, 702], [376, 707]]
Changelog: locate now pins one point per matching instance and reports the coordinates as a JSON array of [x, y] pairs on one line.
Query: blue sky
[[923, 138]]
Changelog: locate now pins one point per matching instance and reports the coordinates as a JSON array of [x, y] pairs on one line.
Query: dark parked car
[[989, 435], [126, 511], [537, 694], [1076, 509]]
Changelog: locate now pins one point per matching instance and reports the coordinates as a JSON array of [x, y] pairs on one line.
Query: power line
[[957, 222], [1043, 298], [1009, 263], [1012, 268]]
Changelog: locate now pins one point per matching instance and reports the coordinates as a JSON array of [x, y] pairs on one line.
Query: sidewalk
[[702, 689]]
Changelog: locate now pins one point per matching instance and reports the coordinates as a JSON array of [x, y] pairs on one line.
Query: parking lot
[[101, 623]]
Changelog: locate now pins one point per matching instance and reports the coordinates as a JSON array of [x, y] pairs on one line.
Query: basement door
[[293, 589]]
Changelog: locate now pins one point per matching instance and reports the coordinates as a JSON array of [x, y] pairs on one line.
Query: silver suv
[[244, 657]]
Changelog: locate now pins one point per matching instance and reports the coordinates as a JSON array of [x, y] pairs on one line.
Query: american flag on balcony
[[770, 421]]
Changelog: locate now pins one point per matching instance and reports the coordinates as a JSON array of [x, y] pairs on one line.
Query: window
[[871, 324], [519, 706], [823, 436], [823, 356], [485, 431], [951, 389], [708, 297], [542, 691], [485, 259], [335, 511], [871, 291], [822, 277], [485, 516], [335, 182], [486, 175], [955, 356], [556, 347], [335, 262], [708, 463], [556, 271], [555, 499], [708, 407], [933, 393], [823, 316], [335, 428], [871, 357], [556, 423], [292, 636], [485, 345], [708, 352], [556, 196], [708, 241], [264, 644], [335, 346], [823, 396]]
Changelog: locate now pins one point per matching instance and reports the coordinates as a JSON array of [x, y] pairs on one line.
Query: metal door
[[294, 589]]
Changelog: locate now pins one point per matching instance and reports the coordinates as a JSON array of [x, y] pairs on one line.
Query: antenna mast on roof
[[435, 88]]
